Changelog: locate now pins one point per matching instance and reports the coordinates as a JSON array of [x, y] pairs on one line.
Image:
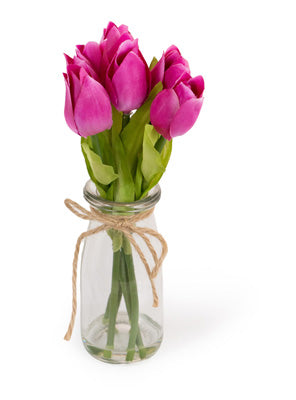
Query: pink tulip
[[87, 106], [128, 77], [176, 108]]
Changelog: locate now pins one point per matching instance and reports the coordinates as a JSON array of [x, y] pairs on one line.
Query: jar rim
[[91, 195]]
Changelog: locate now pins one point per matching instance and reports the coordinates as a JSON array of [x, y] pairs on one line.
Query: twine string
[[126, 225]]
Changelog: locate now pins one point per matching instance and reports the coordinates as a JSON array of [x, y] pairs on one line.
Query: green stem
[[134, 314], [127, 297], [113, 308], [106, 315], [96, 145], [159, 145]]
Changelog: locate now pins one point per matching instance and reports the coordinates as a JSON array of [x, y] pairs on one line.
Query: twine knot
[[126, 225]]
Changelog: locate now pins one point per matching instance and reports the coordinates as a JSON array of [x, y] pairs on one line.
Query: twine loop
[[126, 225]]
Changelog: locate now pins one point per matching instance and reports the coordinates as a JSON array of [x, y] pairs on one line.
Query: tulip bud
[[175, 109], [87, 106], [128, 77]]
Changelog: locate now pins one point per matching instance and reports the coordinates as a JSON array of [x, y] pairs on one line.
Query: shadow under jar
[[119, 323]]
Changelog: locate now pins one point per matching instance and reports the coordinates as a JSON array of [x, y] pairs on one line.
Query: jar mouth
[[92, 196]]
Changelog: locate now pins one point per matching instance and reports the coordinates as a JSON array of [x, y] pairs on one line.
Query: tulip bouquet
[[127, 115]]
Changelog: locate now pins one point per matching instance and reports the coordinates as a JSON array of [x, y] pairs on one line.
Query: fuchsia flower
[[124, 70], [87, 106], [128, 77], [176, 108], [115, 70], [118, 65]]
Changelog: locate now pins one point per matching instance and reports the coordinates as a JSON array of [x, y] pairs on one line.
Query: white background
[[227, 209]]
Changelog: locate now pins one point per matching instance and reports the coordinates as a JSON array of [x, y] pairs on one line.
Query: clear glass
[[118, 284]]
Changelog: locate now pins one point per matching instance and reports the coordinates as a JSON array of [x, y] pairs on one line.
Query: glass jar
[[119, 322]]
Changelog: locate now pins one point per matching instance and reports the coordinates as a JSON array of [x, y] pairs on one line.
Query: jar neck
[[92, 196]]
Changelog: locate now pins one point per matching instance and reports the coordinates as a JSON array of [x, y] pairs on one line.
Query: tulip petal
[[130, 83], [174, 75], [92, 52], [123, 29], [74, 82], [173, 56], [197, 85], [68, 110], [185, 117], [69, 60], [163, 109], [157, 72], [92, 113], [110, 89], [184, 93], [123, 38], [111, 41], [148, 72], [83, 62], [109, 27], [104, 62], [124, 48], [80, 47]]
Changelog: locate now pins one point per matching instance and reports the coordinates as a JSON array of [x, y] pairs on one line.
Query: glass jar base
[[95, 339]]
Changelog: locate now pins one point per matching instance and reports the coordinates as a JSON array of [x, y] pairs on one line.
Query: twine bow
[[126, 225]]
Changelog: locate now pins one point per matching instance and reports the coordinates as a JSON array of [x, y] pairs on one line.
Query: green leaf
[[95, 144], [132, 134], [151, 184], [153, 163], [105, 145], [139, 178], [124, 188], [110, 192], [104, 174], [100, 188], [166, 153], [117, 122], [153, 63]]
